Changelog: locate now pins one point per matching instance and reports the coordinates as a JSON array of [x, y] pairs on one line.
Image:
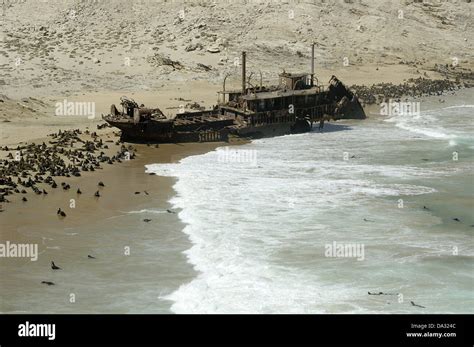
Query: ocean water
[[397, 190]]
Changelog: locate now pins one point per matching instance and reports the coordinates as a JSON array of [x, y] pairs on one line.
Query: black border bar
[[260, 329]]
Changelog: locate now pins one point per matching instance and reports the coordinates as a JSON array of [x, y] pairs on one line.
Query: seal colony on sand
[[69, 153], [415, 87]]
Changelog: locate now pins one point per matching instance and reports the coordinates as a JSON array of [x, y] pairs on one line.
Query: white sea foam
[[147, 211], [258, 232], [423, 124], [459, 106], [444, 123]]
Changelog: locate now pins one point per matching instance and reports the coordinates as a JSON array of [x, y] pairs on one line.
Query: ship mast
[[312, 64], [244, 87]]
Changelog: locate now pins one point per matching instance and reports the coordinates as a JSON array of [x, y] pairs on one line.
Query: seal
[[54, 266]]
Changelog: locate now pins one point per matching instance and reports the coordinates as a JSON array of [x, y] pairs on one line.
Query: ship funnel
[[312, 64], [244, 84]]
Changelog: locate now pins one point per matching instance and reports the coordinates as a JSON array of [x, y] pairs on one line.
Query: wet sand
[[102, 227], [98, 63]]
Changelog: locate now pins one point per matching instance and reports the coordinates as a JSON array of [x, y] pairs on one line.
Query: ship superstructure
[[292, 106]]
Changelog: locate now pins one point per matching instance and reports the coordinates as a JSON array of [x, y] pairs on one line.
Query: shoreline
[[211, 237], [431, 222], [168, 153], [68, 241], [41, 220], [36, 111], [36, 221]]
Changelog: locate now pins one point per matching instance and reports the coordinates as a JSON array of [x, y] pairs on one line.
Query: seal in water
[[413, 304], [382, 293]]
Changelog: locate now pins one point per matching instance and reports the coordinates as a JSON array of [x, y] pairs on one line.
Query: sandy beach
[[68, 241], [74, 51]]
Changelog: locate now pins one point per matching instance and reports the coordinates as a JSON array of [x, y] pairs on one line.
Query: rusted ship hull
[[290, 107], [159, 132], [271, 130], [150, 133], [147, 134]]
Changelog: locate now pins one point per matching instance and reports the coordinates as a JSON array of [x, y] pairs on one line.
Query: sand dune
[[68, 46], [52, 50]]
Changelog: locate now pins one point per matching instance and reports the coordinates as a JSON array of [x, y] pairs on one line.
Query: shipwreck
[[290, 107]]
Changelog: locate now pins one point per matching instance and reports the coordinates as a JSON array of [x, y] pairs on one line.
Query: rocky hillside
[[51, 47]]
